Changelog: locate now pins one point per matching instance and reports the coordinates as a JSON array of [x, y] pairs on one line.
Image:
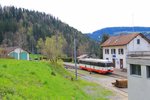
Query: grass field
[[31, 80], [35, 56]]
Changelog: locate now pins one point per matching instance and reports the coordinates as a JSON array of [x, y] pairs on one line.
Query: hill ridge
[[118, 30]]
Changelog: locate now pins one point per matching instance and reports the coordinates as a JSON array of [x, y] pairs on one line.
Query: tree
[[22, 27], [104, 38], [82, 49], [40, 45], [3, 53], [52, 48]]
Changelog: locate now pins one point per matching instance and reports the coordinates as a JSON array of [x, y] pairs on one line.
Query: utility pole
[[75, 57]]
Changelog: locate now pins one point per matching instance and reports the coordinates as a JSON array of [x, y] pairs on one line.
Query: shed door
[[23, 55], [14, 55]]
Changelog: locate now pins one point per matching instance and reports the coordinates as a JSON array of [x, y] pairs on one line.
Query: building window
[[113, 51], [106, 51], [107, 58], [148, 71], [138, 41], [120, 51], [135, 69]]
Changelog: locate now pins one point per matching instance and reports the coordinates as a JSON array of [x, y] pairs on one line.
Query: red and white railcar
[[96, 65]]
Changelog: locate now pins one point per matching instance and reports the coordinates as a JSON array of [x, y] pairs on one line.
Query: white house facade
[[144, 45], [116, 48], [139, 76], [116, 54]]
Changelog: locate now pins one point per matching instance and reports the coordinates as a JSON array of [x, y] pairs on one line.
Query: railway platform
[[120, 72]]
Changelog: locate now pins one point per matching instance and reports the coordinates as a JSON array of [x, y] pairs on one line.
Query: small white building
[[138, 65], [116, 48], [17, 53]]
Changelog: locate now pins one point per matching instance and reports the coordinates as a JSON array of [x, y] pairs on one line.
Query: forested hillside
[[23, 28]]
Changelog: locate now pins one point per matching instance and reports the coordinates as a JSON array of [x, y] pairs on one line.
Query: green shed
[[17, 53], [24, 55]]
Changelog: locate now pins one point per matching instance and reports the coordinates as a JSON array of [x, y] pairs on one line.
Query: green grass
[[35, 56], [31, 80]]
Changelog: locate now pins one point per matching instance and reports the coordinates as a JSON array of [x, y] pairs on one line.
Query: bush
[[69, 59], [53, 73], [5, 66]]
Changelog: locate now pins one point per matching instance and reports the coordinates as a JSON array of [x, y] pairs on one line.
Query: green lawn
[[35, 56], [32, 80]]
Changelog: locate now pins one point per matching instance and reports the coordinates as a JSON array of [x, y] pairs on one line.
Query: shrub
[[53, 73], [5, 66], [67, 59]]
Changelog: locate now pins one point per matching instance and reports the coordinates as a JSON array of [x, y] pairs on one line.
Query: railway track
[[88, 77], [96, 79], [117, 76], [103, 80]]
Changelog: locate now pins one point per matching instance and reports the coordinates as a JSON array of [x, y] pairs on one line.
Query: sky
[[90, 15]]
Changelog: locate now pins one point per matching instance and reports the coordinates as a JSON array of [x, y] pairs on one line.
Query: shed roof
[[10, 49]]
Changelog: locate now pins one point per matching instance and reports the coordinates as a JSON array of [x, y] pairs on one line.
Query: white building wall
[[143, 46], [138, 86]]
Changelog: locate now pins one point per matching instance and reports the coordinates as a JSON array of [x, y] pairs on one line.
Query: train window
[[109, 64], [101, 64], [84, 62]]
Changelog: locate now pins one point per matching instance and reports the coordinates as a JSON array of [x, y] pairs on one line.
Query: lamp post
[[75, 56]]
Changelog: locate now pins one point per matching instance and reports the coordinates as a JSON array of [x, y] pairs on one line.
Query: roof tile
[[120, 40]]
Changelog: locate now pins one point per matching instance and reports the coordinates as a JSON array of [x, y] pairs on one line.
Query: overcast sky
[[90, 15]]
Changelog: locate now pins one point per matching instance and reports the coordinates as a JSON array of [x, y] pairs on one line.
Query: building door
[[23, 55], [114, 63], [14, 55], [121, 63]]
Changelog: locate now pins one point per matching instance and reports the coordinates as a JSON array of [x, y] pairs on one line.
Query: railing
[[138, 53]]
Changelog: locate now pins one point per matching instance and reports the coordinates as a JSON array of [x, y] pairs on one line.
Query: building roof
[[10, 49], [82, 56], [122, 39]]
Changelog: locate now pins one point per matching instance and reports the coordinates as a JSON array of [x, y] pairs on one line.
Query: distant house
[[17, 53], [138, 65], [116, 48], [83, 56]]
